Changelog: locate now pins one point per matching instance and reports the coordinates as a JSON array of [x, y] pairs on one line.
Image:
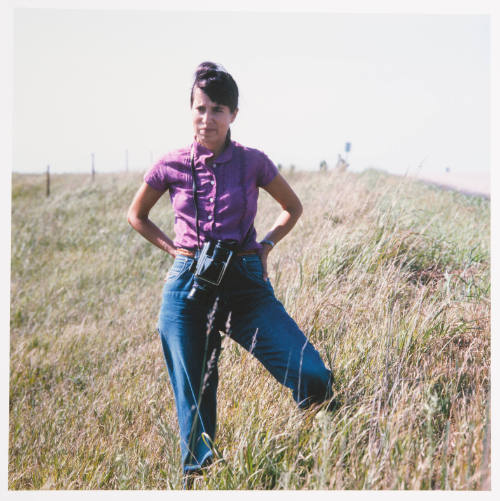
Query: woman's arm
[[282, 192], [138, 218]]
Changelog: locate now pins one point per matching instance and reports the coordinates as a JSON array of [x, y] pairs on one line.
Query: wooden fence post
[[48, 181], [93, 168]]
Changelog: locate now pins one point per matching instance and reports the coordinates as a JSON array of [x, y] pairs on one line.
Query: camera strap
[[195, 197]]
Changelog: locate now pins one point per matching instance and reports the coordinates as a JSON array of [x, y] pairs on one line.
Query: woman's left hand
[[263, 253]]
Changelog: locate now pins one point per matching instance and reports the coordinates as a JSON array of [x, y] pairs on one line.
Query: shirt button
[[211, 199], [210, 218], [212, 182]]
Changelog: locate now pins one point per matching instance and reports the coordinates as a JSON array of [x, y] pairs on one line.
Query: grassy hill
[[389, 278]]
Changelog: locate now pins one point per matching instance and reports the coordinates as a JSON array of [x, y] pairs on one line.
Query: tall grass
[[388, 277]]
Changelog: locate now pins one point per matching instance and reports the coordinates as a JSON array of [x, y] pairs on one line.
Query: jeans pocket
[[253, 266], [180, 266]]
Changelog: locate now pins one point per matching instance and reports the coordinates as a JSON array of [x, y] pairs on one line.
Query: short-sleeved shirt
[[227, 190]]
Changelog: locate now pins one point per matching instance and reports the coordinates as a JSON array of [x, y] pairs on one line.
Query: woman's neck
[[215, 149]]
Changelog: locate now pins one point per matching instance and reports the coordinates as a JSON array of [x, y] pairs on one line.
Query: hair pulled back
[[217, 84]]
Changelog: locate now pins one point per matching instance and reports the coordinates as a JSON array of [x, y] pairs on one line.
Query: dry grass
[[389, 278]]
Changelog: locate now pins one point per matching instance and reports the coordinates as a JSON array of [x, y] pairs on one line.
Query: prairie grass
[[388, 277]]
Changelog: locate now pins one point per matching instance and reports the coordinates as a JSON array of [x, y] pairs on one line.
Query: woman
[[220, 206]]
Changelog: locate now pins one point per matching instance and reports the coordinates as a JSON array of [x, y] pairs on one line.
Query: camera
[[210, 267]]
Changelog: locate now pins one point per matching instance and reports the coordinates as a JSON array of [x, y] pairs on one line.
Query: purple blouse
[[227, 192]]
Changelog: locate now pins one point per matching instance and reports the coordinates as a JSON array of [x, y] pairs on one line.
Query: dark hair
[[217, 84]]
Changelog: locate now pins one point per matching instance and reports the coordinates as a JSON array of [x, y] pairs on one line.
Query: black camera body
[[210, 267]]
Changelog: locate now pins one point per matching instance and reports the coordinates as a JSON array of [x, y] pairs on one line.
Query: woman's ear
[[235, 112]]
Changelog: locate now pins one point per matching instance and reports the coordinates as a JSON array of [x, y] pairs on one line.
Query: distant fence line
[[341, 165]]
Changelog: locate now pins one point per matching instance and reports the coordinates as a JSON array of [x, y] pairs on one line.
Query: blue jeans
[[247, 310]]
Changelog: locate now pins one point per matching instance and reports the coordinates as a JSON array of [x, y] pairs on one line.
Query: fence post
[[93, 168], [48, 181]]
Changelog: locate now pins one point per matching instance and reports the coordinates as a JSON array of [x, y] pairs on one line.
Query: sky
[[410, 92]]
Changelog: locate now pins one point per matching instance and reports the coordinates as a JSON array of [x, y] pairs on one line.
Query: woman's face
[[211, 120]]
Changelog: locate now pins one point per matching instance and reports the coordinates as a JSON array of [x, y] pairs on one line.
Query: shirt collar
[[202, 154]]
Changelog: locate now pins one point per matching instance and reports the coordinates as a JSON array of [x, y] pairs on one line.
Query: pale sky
[[407, 90]]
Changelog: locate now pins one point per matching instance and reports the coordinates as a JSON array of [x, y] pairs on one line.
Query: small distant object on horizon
[[347, 149], [323, 166], [341, 165], [447, 169]]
